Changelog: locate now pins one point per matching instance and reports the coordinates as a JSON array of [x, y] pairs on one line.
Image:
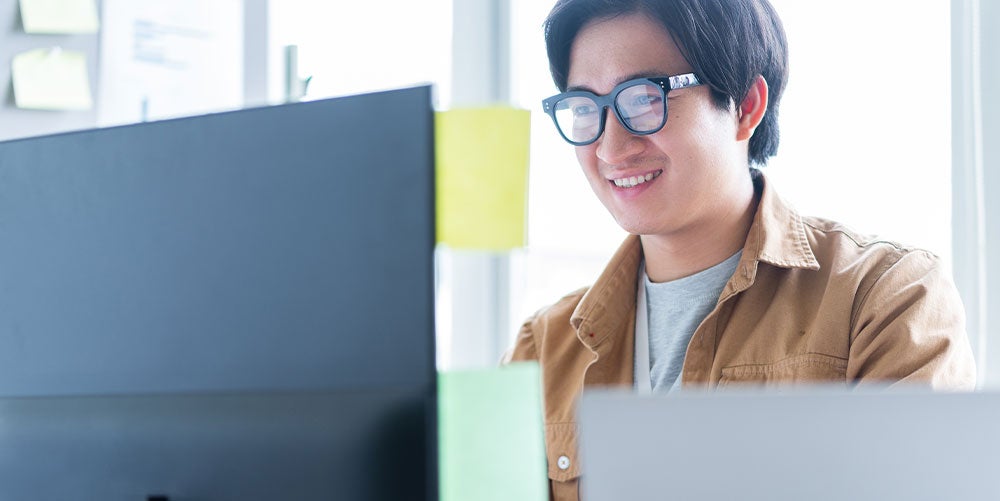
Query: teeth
[[629, 182]]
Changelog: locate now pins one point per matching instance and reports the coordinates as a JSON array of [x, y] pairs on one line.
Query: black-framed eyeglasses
[[639, 104]]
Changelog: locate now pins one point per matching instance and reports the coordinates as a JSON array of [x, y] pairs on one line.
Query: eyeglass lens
[[639, 107]]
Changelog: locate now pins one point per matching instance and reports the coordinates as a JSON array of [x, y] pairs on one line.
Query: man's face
[[696, 167]]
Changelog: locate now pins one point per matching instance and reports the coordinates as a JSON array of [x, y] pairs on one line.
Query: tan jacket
[[810, 302]]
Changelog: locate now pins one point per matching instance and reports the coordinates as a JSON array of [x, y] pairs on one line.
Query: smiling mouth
[[633, 181]]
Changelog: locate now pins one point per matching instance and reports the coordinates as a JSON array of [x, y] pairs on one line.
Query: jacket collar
[[610, 302], [777, 236]]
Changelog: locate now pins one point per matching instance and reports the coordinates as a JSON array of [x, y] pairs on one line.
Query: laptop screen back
[[822, 445]]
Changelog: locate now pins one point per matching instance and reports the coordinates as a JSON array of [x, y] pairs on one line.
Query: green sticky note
[[482, 177], [51, 79], [59, 16], [491, 435]]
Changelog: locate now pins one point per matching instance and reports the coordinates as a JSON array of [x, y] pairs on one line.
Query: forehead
[[609, 51]]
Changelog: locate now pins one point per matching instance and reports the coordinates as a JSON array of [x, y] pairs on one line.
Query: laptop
[[794, 445]]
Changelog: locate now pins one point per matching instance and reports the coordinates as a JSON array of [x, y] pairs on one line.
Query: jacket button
[[563, 463]]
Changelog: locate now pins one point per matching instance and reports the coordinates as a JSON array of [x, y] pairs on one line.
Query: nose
[[617, 144]]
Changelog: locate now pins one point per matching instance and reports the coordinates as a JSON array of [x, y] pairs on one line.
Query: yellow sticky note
[[482, 177], [51, 79], [490, 433], [59, 16]]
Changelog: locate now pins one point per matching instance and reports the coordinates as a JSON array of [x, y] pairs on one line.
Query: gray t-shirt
[[675, 309]]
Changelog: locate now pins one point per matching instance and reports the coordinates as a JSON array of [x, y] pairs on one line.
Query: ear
[[751, 110]]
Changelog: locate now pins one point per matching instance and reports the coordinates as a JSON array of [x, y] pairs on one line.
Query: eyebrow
[[633, 76]]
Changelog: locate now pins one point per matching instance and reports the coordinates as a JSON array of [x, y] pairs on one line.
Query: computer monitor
[[222, 305]]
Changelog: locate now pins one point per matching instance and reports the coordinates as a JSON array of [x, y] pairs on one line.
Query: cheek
[[587, 158], [719, 125], [705, 137]]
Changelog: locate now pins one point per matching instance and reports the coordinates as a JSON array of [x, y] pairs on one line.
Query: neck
[[700, 246]]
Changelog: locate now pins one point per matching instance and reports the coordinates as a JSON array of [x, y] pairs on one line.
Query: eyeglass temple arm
[[685, 80]]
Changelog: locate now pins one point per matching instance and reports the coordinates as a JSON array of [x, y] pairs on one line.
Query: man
[[671, 105]]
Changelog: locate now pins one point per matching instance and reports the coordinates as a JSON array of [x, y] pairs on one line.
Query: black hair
[[728, 43]]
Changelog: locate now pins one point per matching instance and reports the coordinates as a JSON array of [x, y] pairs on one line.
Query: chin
[[647, 227], [637, 228]]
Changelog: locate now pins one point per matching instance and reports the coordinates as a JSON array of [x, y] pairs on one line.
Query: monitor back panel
[[232, 306], [280, 248], [214, 447]]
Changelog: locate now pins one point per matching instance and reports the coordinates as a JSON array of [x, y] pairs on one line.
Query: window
[[866, 118], [353, 47], [570, 234]]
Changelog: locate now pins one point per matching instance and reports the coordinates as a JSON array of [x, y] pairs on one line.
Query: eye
[[584, 110], [645, 99]]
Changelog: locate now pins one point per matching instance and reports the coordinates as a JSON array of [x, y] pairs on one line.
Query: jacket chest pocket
[[805, 369]]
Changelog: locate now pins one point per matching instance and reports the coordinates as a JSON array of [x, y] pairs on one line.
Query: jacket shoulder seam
[[854, 238], [881, 274]]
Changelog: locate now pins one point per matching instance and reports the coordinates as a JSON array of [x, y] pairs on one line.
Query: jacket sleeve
[[524, 345], [910, 329]]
